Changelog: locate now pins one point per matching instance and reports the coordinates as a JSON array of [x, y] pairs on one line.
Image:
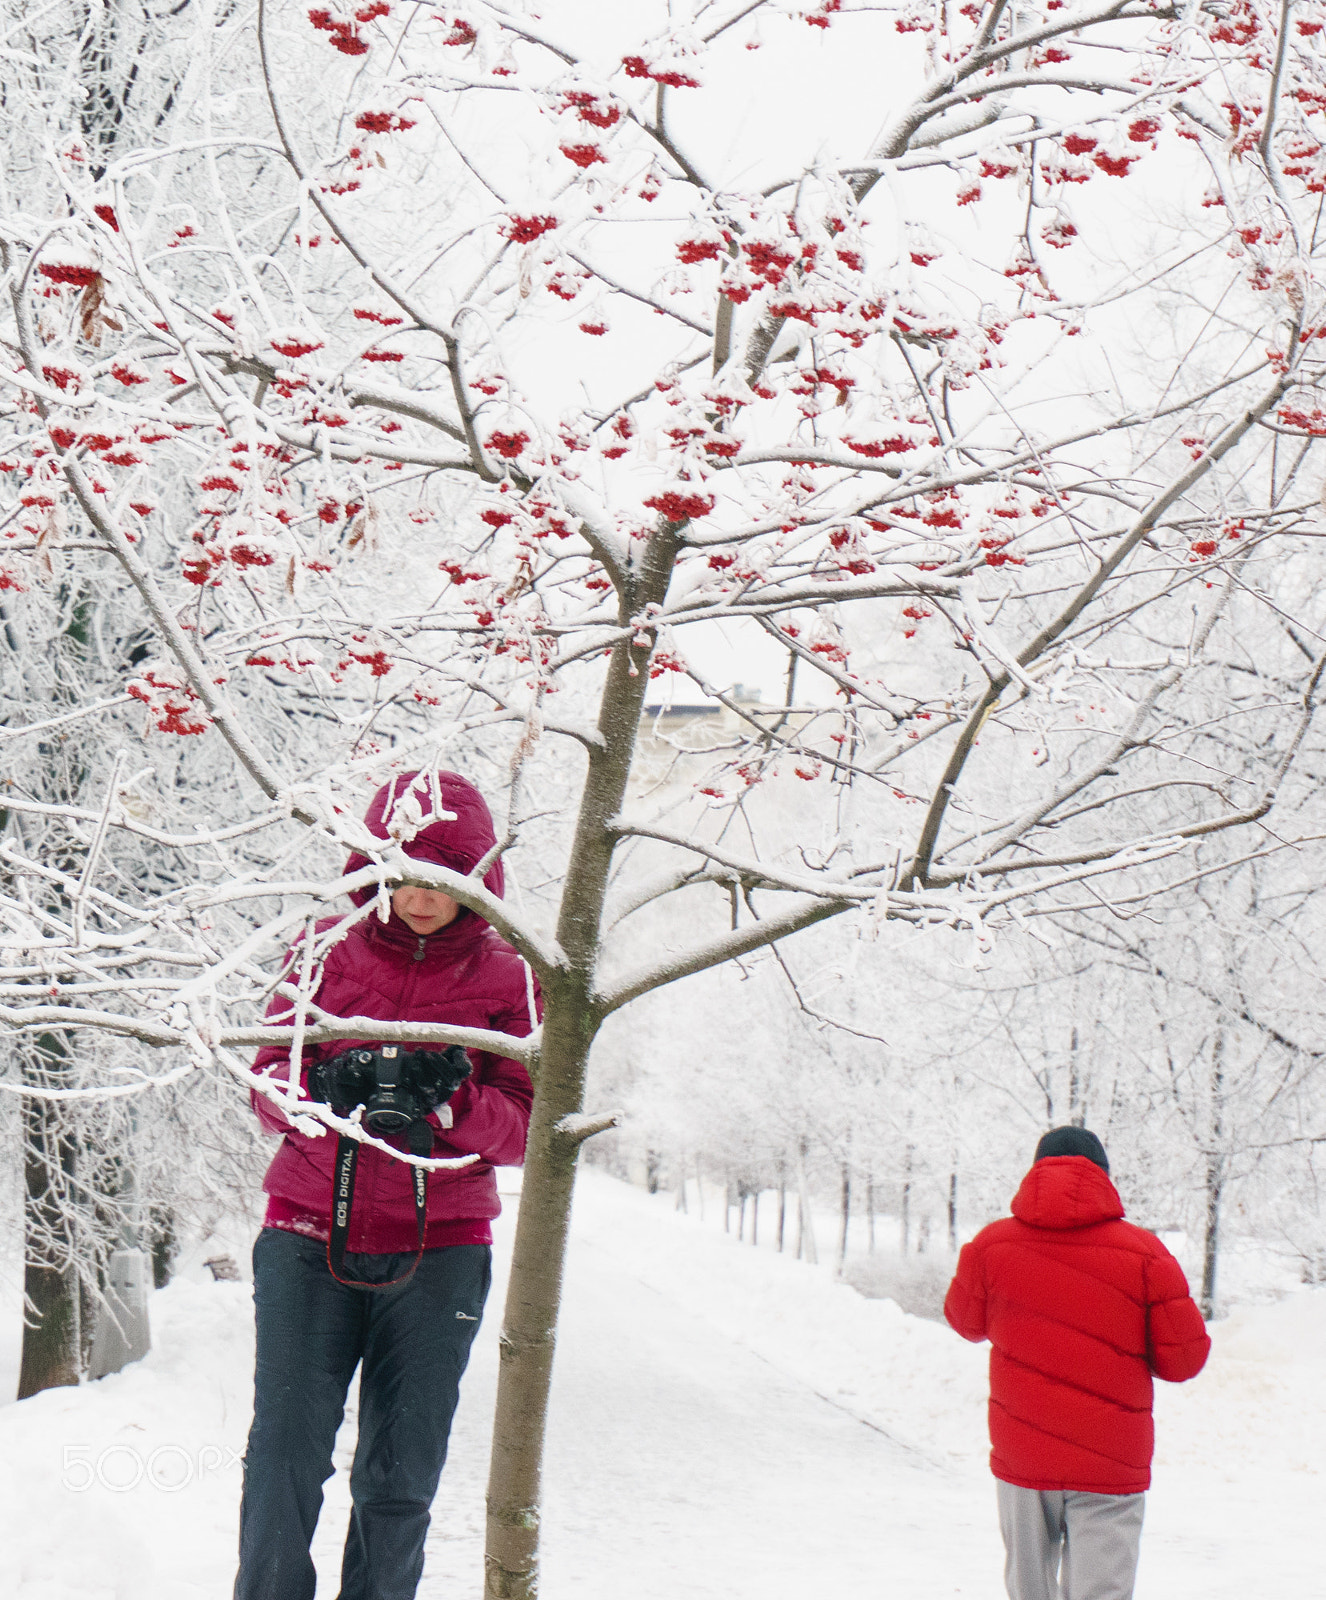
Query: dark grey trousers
[[413, 1342], [1096, 1535]]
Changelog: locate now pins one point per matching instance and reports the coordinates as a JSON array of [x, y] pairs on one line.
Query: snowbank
[[128, 1488], [727, 1423]]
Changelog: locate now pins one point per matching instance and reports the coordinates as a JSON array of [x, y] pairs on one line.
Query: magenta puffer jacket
[[463, 974]]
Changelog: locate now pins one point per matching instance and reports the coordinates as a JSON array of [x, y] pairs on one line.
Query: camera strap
[[343, 1195]]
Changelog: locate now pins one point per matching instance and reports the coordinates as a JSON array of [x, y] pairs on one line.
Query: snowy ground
[[727, 1423]]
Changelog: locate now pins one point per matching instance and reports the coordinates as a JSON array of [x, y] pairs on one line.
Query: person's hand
[[341, 1081], [437, 1074]]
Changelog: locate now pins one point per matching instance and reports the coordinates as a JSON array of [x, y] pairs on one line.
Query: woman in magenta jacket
[[1081, 1309], [408, 1315]]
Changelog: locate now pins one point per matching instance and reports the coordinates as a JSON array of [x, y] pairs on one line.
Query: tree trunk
[[571, 1021], [165, 1245], [806, 1248], [1215, 1178], [52, 1324], [530, 1323], [905, 1210], [870, 1213], [953, 1210], [51, 1329], [1211, 1233], [755, 1217], [699, 1187], [847, 1215], [782, 1212]]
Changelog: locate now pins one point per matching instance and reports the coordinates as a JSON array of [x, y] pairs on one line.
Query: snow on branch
[[369, 469], [754, 874], [325, 1028], [576, 1129]]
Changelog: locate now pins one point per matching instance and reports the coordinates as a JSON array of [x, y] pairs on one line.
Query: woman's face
[[423, 911]]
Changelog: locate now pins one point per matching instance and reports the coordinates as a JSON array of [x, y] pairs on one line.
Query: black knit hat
[[1073, 1142]]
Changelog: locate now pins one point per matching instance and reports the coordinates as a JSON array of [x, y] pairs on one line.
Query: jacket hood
[[1066, 1192], [433, 816]]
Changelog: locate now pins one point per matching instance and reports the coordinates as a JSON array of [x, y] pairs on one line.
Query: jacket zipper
[[422, 951]]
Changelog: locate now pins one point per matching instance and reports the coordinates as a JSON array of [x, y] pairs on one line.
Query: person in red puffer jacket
[[1082, 1310], [373, 1292]]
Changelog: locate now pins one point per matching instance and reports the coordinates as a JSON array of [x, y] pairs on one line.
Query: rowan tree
[[105, 80], [442, 375]]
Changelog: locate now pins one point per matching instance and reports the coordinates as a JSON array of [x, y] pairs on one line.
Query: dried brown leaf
[[90, 311]]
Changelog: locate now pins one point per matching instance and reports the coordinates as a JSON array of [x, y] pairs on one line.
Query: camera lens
[[389, 1112]]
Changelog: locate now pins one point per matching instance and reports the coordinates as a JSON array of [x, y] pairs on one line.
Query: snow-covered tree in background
[[1187, 1033], [106, 80], [438, 378]]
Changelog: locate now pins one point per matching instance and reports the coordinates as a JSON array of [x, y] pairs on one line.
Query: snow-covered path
[[685, 1461], [682, 1462], [726, 1423]]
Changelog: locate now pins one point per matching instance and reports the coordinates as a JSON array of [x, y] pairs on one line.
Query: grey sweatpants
[[1098, 1535]]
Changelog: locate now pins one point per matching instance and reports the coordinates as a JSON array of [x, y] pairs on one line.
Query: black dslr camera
[[395, 1086]]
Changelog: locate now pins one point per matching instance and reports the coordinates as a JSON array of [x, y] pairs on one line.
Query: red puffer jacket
[[1081, 1309], [463, 974]]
